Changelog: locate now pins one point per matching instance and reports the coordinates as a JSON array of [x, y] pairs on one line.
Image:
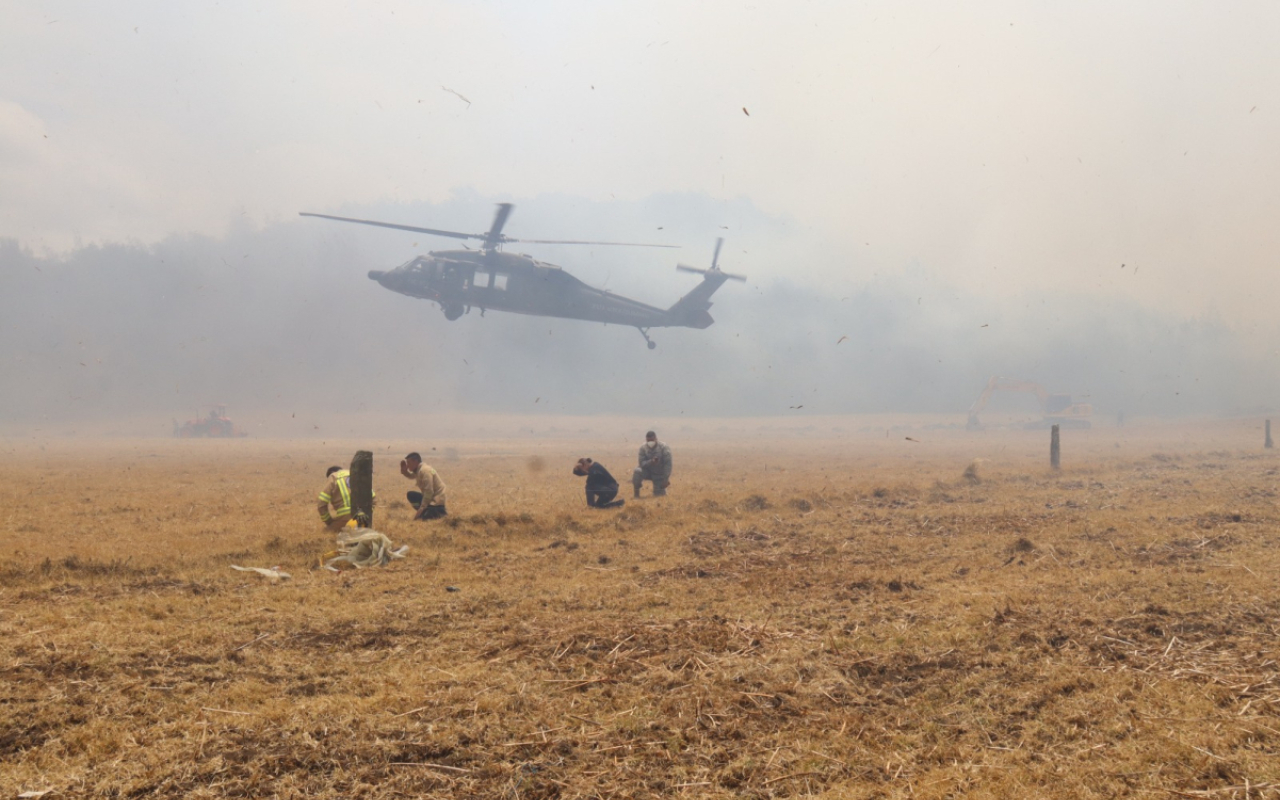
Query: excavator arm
[[1056, 409], [1009, 385]]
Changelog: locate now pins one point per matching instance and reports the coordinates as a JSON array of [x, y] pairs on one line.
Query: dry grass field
[[841, 613]]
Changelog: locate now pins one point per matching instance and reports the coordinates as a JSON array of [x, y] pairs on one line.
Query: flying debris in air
[[455, 94], [841, 339], [909, 439], [799, 406], [745, 111]]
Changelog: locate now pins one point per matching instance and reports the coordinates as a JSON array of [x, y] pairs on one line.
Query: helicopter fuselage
[[462, 279]]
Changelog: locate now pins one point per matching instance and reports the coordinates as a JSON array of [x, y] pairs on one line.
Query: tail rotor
[[715, 270]]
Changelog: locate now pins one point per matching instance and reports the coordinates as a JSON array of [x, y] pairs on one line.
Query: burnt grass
[[1108, 632]]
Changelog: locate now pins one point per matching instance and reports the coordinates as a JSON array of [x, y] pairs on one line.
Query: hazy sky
[[1123, 149]]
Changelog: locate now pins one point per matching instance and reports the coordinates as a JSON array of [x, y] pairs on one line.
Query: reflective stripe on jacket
[[337, 492]]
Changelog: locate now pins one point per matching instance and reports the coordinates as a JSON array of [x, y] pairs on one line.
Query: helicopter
[[488, 278]]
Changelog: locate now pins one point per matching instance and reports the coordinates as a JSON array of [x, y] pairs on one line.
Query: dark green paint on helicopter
[[459, 280]]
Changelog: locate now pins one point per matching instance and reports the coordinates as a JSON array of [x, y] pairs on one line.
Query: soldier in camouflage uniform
[[654, 465]]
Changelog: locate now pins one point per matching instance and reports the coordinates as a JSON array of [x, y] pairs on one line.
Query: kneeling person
[[601, 487], [334, 502], [654, 465], [429, 499]]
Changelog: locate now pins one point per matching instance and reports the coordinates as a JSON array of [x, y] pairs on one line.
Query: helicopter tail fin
[[692, 310]]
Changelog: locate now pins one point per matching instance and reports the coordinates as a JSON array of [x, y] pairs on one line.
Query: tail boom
[[691, 311]]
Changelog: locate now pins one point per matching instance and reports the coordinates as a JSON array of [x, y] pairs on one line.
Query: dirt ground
[[835, 607]]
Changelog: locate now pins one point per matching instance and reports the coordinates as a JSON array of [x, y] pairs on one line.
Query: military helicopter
[[459, 280]]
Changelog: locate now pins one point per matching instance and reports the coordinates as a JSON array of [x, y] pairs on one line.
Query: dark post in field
[[362, 488], [1269, 442], [1055, 453]]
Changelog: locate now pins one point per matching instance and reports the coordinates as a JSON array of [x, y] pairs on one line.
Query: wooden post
[[362, 488], [1055, 451], [1269, 442]]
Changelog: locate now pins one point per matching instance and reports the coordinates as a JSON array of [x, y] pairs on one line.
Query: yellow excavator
[[1057, 409]]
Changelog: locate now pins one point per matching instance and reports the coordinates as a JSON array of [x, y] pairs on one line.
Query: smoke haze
[[283, 318], [922, 196]]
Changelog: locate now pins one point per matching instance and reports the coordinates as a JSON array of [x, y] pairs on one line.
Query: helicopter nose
[[376, 275]]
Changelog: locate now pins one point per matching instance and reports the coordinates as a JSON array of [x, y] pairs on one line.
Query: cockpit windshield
[[421, 265]]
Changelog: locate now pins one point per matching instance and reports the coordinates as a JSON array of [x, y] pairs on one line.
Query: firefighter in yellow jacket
[[334, 502]]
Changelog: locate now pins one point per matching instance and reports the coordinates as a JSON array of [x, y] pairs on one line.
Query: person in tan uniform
[[429, 499], [334, 502]]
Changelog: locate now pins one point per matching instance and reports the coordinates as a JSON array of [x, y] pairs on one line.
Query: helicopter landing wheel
[[453, 311], [653, 345], [645, 333]]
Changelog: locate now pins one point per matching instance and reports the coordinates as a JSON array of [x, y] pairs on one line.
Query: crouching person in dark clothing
[[601, 487]]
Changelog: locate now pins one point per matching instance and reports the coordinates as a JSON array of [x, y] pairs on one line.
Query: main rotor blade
[[567, 241], [452, 234], [715, 258], [432, 231], [494, 237], [491, 239]]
